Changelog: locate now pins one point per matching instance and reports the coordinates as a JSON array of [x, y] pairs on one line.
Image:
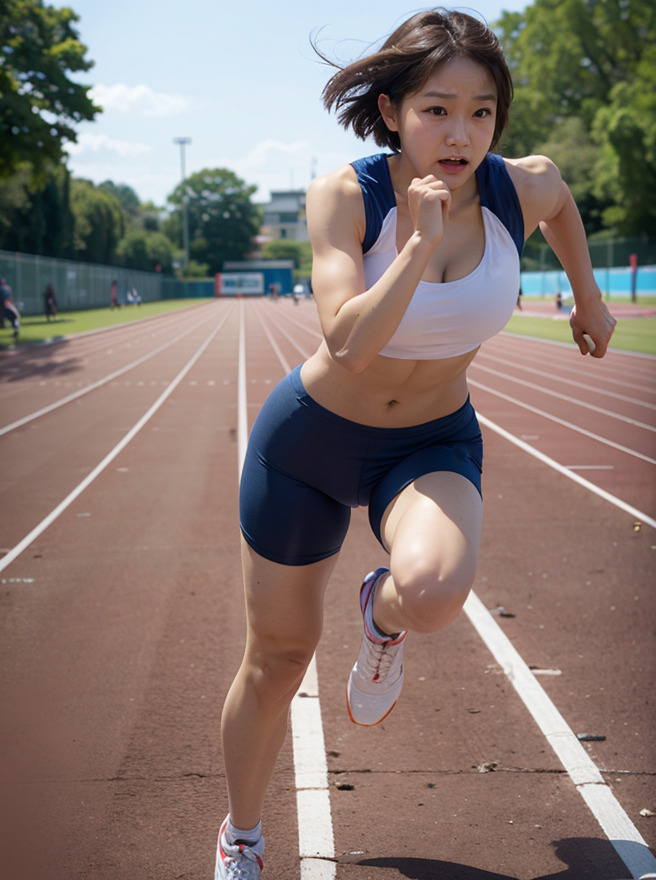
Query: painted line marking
[[621, 832], [314, 812], [71, 497], [315, 825], [571, 383], [581, 403], [559, 421], [109, 378], [627, 508]]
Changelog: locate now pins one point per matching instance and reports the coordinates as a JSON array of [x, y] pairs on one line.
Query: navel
[[392, 403]]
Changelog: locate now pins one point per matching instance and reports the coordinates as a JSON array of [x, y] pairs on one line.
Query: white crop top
[[450, 318]]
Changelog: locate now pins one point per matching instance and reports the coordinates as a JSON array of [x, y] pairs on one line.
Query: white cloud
[[270, 151], [140, 99], [90, 142]]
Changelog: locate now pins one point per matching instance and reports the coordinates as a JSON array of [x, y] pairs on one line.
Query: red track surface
[[121, 618]]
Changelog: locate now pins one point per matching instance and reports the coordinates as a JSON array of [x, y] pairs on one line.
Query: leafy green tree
[[591, 61], [124, 195], [35, 215], [223, 221], [625, 172], [99, 223], [146, 251], [39, 103], [287, 249], [576, 153]]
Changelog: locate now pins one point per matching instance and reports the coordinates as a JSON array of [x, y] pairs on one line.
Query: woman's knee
[[276, 666], [431, 595]]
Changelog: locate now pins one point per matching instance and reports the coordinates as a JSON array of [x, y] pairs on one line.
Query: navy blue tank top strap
[[497, 192], [378, 194], [496, 189]]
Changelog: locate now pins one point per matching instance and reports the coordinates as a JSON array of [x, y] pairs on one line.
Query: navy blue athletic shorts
[[306, 467]]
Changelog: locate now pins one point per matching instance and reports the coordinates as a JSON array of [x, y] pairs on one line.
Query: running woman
[[415, 263]]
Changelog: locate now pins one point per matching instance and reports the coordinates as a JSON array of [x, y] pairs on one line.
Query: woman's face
[[446, 128]]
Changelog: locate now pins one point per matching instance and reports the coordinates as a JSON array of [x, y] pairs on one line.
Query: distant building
[[284, 217]]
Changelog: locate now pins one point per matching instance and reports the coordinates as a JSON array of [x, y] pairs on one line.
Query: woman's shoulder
[[341, 183], [533, 174], [334, 200], [539, 186]]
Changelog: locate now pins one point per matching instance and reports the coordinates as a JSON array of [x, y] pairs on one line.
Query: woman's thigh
[[433, 530], [284, 604]]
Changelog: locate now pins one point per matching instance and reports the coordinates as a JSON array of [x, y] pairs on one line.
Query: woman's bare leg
[[284, 611], [433, 529]]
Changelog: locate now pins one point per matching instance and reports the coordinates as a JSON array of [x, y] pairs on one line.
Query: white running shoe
[[239, 861], [376, 679]]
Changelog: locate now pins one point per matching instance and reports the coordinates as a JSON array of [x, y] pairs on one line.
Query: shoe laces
[[244, 865], [378, 660]]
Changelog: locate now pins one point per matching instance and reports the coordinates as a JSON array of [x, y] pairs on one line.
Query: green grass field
[[35, 328], [631, 334]]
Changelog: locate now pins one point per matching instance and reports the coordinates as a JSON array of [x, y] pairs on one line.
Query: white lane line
[[315, 825], [571, 383], [627, 508], [94, 385], [559, 421], [303, 351], [242, 403], [621, 832], [54, 514], [580, 403], [274, 345], [313, 802]]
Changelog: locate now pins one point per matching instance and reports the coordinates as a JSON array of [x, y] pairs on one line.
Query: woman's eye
[[483, 112], [437, 111]]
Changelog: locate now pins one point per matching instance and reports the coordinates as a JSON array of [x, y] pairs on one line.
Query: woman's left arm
[[546, 201]]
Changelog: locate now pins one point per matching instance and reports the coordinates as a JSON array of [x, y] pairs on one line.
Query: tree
[[625, 172], [144, 250], [223, 221], [575, 152], [39, 104], [99, 223], [124, 194], [590, 61], [35, 216]]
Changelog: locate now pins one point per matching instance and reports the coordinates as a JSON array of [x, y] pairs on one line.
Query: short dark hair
[[403, 64]]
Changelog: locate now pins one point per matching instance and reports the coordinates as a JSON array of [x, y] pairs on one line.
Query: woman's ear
[[388, 112]]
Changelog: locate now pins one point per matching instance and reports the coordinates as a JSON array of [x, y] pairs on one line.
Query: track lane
[[24, 397], [645, 725], [457, 711]]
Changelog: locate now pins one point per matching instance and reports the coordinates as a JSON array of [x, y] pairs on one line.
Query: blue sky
[[240, 79]]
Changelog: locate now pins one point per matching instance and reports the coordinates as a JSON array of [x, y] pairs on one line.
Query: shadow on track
[[38, 360], [586, 859]]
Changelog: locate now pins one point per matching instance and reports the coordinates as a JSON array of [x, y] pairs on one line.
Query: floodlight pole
[[182, 142]]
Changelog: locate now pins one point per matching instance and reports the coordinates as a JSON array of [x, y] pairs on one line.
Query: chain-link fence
[[77, 285], [87, 285]]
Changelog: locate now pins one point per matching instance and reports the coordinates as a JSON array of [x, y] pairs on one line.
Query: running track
[[122, 624]]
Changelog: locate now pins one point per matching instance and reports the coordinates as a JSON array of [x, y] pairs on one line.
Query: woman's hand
[[429, 202], [591, 317]]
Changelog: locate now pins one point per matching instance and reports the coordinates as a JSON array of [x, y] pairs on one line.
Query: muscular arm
[[547, 202], [358, 322]]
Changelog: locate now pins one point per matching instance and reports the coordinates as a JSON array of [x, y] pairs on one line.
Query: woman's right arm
[[358, 322]]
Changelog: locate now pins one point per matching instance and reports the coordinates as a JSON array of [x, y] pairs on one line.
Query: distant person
[[559, 301], [9, 309], [113, 296], [416, 261], [50, 303]]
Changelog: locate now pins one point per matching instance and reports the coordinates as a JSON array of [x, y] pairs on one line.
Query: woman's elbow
[[350, 359]]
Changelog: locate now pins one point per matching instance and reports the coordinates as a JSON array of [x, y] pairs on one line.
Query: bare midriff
[[390, 392]]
